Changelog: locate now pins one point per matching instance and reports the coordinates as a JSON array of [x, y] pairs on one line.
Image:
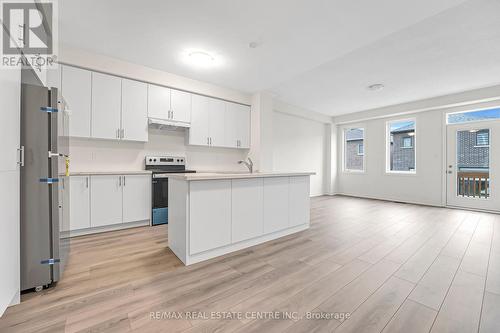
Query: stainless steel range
[[162, 167]]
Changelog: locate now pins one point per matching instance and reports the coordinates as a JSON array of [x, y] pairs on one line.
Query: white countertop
[[97, 173], [235, 175]]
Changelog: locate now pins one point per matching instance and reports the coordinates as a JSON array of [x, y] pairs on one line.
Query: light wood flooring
[[392, 267]]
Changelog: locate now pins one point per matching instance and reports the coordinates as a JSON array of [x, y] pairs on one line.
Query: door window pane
[[354, 149], [401, 146], [473, 161]]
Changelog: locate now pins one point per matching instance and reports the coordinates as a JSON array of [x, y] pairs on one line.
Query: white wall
[[424, 187], [301, 145], [428, 186], [103, 155]]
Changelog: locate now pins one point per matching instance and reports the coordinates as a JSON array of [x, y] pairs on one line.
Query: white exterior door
[[134, 111], [80, 202], [180, 106], [198, 132], [136, 198], [106, 106], [10, 90], [473, 165], [106, 200], [76, 85]]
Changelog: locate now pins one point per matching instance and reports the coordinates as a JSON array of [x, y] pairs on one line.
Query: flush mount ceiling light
[[200, 58], [376, 87]]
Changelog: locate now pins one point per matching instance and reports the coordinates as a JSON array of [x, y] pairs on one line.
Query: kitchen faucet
[[249, 164]]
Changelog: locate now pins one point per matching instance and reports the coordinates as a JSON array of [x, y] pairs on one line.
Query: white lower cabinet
[[106, 200], [276, 204], [247, 207], [210, 215], [79, 188], [100, 201], [136, 198]]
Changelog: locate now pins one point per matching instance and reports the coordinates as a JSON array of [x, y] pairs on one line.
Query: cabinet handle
[[122, 133], [117, 133], [120, 181], [87, 182], [208, 141], [123, 180], [21, 156]]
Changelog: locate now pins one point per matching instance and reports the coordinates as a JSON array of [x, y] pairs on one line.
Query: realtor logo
[[29, 33]]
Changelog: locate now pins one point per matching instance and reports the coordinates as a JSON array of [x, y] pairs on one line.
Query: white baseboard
[[89, 231], [392, 199], [16, 299]]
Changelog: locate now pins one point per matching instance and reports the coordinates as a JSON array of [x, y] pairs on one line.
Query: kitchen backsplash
[[104, 155]]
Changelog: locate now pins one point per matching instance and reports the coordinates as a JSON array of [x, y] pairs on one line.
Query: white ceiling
[[317, 54]]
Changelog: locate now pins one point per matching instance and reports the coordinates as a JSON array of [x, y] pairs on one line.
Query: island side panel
[[178, 210], [299, 196]]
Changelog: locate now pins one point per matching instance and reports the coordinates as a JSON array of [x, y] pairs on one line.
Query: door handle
[[21, 156]]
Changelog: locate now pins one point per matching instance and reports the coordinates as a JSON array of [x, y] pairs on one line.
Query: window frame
[[344, 150], [362, 153], [388, 170], [411, 142], [477, 145]]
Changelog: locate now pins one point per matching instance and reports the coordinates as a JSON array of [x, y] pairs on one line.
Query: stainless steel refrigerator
[[44, 186]]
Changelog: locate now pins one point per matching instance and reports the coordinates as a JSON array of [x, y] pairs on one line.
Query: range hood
[[167, 124]]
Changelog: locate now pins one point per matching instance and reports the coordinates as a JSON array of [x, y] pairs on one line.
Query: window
[[483, 138], [470, 116], [407, 142], [401, 140], [354, 150], [361, 149]]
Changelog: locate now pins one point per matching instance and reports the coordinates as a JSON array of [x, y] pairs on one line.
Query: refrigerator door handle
[[21, 156]]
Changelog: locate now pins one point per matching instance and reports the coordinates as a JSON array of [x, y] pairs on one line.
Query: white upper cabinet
[[106, 106], [158, 102], [134, 111], [180, 107], [76, 85], [198, 132], [216, 122], [237, 125]]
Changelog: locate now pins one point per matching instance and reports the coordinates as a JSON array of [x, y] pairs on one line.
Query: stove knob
[[150, 160], [178, 160], [154, 160]]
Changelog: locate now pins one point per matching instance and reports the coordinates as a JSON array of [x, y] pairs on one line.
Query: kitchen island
[[211, 214]]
